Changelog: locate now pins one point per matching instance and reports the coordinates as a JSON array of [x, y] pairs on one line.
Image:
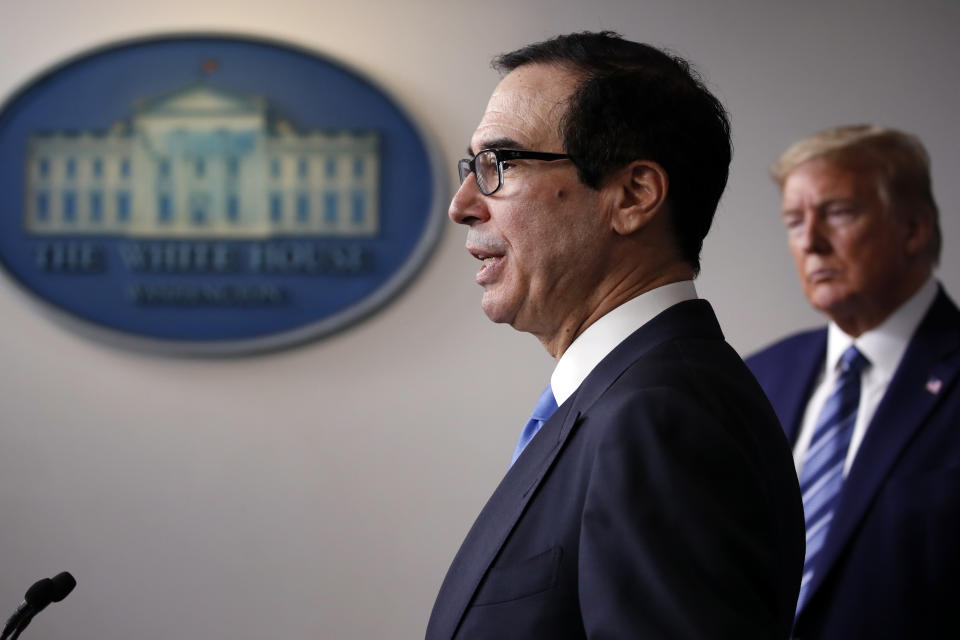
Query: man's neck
[[870, 314], [609, 297]]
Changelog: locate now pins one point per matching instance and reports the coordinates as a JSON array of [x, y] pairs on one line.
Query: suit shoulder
[[774, 355], [943, 316], [705, 378]]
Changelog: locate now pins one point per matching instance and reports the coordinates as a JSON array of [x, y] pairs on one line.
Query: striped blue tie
[[821, 477], [542, 411]]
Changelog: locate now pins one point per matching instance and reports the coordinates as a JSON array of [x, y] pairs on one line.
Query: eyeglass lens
[[484, 168], [488, 176]]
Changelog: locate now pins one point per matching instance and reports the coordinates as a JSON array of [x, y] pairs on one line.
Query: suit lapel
[[807, 366], [509, 500], [497, 520], [932, 360]]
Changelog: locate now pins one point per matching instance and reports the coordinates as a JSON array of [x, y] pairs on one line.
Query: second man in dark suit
[[871, 403]]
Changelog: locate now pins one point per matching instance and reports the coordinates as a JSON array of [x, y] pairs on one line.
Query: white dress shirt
[[603, 336], [884, 347]]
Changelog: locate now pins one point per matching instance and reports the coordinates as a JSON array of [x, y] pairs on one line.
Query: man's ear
[[638, 192], [919, 230]]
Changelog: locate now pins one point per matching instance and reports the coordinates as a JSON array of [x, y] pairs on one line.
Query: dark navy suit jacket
[[890, 567], [659, 501]]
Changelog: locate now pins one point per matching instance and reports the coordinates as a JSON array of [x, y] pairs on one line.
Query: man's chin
[[828, 300], [496, 311], [503, 312]]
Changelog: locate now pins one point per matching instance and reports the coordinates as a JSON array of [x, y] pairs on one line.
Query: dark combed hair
[[636, 102]]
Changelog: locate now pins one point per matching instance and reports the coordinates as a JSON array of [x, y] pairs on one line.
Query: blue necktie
[[542, 411], [821, 477]]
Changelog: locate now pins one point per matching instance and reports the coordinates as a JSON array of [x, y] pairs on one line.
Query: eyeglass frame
[[466, 166]]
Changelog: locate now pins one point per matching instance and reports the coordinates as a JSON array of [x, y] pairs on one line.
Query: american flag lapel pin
[[934, 385]]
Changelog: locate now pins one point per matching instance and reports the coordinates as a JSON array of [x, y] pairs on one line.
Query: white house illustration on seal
[[203, 163]]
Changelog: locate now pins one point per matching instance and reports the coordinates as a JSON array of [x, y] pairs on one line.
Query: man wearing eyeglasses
[[652, 493]]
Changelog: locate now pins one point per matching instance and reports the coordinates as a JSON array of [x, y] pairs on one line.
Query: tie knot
[[546, 405], [852, 361]]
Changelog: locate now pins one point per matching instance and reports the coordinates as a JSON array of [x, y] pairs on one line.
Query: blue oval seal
[[212, 194]]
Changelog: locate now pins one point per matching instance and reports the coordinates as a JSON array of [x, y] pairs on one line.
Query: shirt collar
[[885, 344], [603, 336]]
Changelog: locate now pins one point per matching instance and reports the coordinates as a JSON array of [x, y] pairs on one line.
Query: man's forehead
[[826, 175], [821, 181], [526, 108]]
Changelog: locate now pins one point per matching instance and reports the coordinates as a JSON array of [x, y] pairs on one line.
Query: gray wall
[[321, 492]]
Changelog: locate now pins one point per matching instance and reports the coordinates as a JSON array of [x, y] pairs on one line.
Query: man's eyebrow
[[497, 143]]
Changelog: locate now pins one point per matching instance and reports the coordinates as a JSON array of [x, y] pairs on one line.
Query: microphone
[[41, 594], [63, 584]]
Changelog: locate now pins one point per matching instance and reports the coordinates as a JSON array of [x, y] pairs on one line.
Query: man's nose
[[468, 205], [813, 238]]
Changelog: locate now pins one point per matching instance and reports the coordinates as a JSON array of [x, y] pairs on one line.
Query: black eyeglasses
[[487, 166]]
